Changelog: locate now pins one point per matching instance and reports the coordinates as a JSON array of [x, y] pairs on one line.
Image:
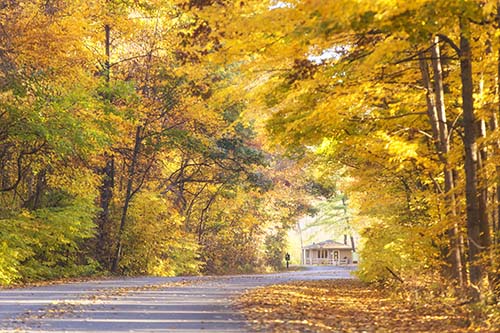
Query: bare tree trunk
[[483, 192], [103, 253], [128, 197], [203, 218], [34, 200], [494, 219], [107, 45], [496, 154], [187, 213], [461, 218], [455, 257], [431, 102], [103, 227], [471, 157], [437, 117], [204, 212], [494, 127]]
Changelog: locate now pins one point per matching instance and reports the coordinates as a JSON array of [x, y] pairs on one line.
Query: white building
[[328, 252]]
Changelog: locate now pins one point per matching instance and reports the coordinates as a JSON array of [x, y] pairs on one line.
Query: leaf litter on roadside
[[345, 305]]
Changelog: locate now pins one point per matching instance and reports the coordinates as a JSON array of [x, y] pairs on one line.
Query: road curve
[[147, 304]]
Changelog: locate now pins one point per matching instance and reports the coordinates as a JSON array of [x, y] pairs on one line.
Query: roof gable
[[328, 244]]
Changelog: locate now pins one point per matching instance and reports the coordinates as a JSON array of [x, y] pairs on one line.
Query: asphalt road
[[147, 304]]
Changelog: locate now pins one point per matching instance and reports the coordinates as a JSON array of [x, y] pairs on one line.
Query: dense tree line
[[170, 137], [397, 102], [122, 151]]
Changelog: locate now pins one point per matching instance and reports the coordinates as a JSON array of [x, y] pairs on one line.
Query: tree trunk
[[471, 157], [103, 251], [437, 118], [203, 218], [496, 198], [496, 152], [483, 192], [34, 200], [107, 45], [431, 102], [455, 257], [494, 127], [106, 196], [128, 197]]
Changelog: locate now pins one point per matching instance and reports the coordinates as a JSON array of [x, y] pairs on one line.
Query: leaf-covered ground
[[346, 306]]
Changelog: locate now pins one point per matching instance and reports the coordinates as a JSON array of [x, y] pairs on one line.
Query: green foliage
[[102, 106], [232, 112], [46, 243], [333, 215], [15, 249]]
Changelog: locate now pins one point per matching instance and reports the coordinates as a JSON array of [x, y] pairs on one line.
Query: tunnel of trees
[[185, 137]]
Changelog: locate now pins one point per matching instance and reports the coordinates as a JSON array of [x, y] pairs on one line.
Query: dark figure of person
[[287, 258]]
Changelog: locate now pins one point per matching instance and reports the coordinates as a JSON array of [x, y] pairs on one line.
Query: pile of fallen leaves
[[346, 306]]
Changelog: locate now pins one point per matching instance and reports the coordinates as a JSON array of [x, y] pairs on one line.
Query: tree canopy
[[187, 136]]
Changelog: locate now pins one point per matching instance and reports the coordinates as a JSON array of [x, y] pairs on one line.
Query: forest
[[175, 137]]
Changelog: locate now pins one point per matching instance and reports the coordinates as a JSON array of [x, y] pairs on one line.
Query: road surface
[[148, 304]]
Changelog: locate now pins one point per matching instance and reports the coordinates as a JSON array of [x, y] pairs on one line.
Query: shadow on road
[[143, 304]]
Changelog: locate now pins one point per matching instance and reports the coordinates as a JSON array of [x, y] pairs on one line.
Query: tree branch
[[394, 274], [451, 43]]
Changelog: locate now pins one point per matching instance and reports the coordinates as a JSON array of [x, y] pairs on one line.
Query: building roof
[[328, 244]]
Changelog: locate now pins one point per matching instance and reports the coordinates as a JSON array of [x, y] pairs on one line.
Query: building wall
[[346, 254], [326, 256]]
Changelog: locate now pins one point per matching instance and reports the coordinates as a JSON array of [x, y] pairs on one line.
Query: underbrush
[[421, 292]]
